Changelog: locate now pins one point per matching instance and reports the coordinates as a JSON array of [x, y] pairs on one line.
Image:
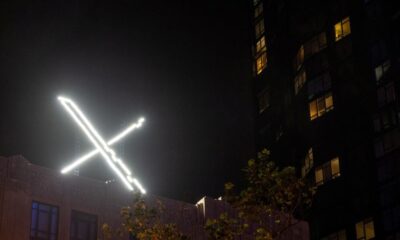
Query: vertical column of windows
[[309, 48], [260, 55]]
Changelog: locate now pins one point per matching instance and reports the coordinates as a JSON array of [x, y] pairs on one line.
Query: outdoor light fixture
[[102, 147]]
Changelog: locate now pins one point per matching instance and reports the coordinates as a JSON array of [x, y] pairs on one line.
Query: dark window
[[317, 64], [386, 94], [263, 101], [44, 221], [315, 45], [341, 235], [378, 52], [387, 142], [83, 226], [381, 70], [385, 119], [319, 85]]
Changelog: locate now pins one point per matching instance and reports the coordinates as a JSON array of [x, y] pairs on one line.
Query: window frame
[[341, 27], [49, 213], [258, 10], [382, 68], [362, 230], [300, 80], [261, 62], [79, 218], [319, 106], [308, 162], [324, 173], [264, 95]]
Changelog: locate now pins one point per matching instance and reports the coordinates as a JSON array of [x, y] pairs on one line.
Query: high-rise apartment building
[[326, 79]]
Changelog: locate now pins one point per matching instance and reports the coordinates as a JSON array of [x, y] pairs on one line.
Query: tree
[[271, 194], [143, 222]]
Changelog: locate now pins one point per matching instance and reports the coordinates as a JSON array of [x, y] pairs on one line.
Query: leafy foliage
[[271, 195], [143, 222]]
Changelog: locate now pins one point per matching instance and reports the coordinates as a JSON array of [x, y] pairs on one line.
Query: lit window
[[319, 176], [260, 45], [320, 106], [342, 29], [308, 162], [83, 226], [258, 10], [263, 101], [299, 81], [365, 230], [315, 44], [381, 69], [261, 62], [44, 222], [335, 167], [259, 28], [328, 171], [341, 235], [318, 85], [298, 61]]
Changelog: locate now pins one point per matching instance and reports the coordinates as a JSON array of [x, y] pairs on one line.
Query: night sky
[[184, 65]]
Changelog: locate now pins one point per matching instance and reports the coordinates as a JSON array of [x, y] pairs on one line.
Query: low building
[[39, 203]]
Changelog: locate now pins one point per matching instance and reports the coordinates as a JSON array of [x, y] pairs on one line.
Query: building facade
[[326, 77], [37, 203]]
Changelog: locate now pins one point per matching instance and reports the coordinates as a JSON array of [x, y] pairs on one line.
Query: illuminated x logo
[[102, 147]]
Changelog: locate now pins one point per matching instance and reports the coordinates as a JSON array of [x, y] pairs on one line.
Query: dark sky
[[184, 65]]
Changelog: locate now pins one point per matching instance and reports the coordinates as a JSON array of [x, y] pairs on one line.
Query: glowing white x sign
[[115, 163]]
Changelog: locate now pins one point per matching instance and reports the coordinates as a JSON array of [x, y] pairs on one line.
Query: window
[[342, 29], [365, 230], [44, 222], [299, 81], [263, 101], [386, 94], [390, 220], [83, 226], [387, 142], [317, 65], [261, 62], [258, 10], [299, 59], [327, 171], [378, 52], [319, 85], [260, 45], [320, 106], [315, 45], [259, 29], [341, 235], [384, 120], [381, 69], [308, 162]]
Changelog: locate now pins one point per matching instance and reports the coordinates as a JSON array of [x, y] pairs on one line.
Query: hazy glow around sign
[[101, 146]]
